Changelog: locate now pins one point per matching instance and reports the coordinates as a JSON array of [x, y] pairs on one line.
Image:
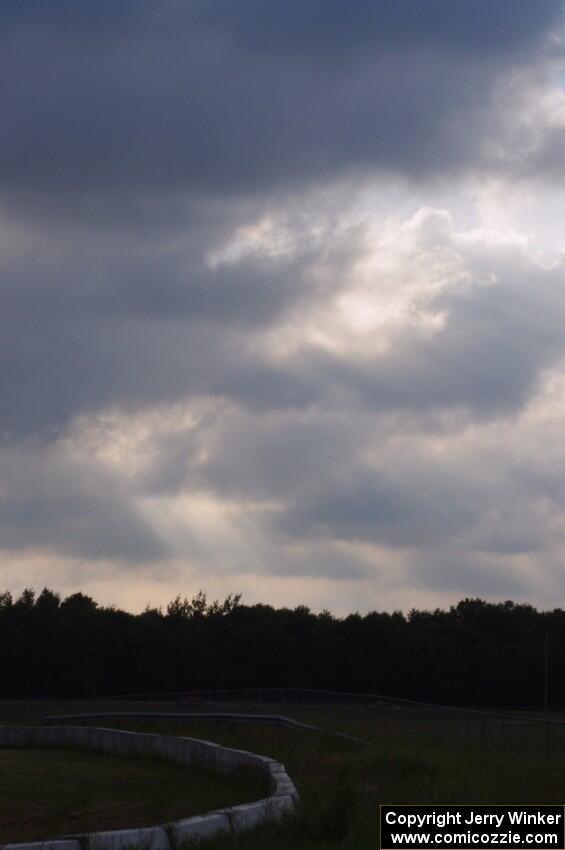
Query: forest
[[476, 653]]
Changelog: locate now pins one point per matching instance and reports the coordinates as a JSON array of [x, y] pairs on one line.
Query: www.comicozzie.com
[[478, 827]]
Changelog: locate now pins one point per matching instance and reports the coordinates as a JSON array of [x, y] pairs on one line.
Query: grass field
[[410, 757], [48, 793]]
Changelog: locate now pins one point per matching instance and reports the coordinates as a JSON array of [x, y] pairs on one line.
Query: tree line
[[475, 653]]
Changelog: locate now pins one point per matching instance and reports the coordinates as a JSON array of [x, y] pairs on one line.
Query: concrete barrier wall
[[187, 751]]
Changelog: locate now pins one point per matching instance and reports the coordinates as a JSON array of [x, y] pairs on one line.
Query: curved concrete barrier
[[188, 751]]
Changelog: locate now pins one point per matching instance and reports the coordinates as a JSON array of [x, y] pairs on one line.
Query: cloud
[[460, 322], [321, 25], [155, 99], [464, 321], [258, 319], [321, 435], [52, 504], [367, 505]]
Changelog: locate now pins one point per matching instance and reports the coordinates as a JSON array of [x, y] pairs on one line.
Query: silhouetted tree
[[475, 653]]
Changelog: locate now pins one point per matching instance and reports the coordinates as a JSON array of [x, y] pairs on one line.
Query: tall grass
[[408, 760]]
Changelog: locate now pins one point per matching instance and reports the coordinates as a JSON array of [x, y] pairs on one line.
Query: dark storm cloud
[[366, 506], [468, 498], [100, 322], [466, 575], [547, 159], [325, 25], [76, 18], [154, 285], [241, 96], [55, 372]]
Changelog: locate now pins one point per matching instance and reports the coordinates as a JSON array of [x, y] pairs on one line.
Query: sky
[[282, 300]]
